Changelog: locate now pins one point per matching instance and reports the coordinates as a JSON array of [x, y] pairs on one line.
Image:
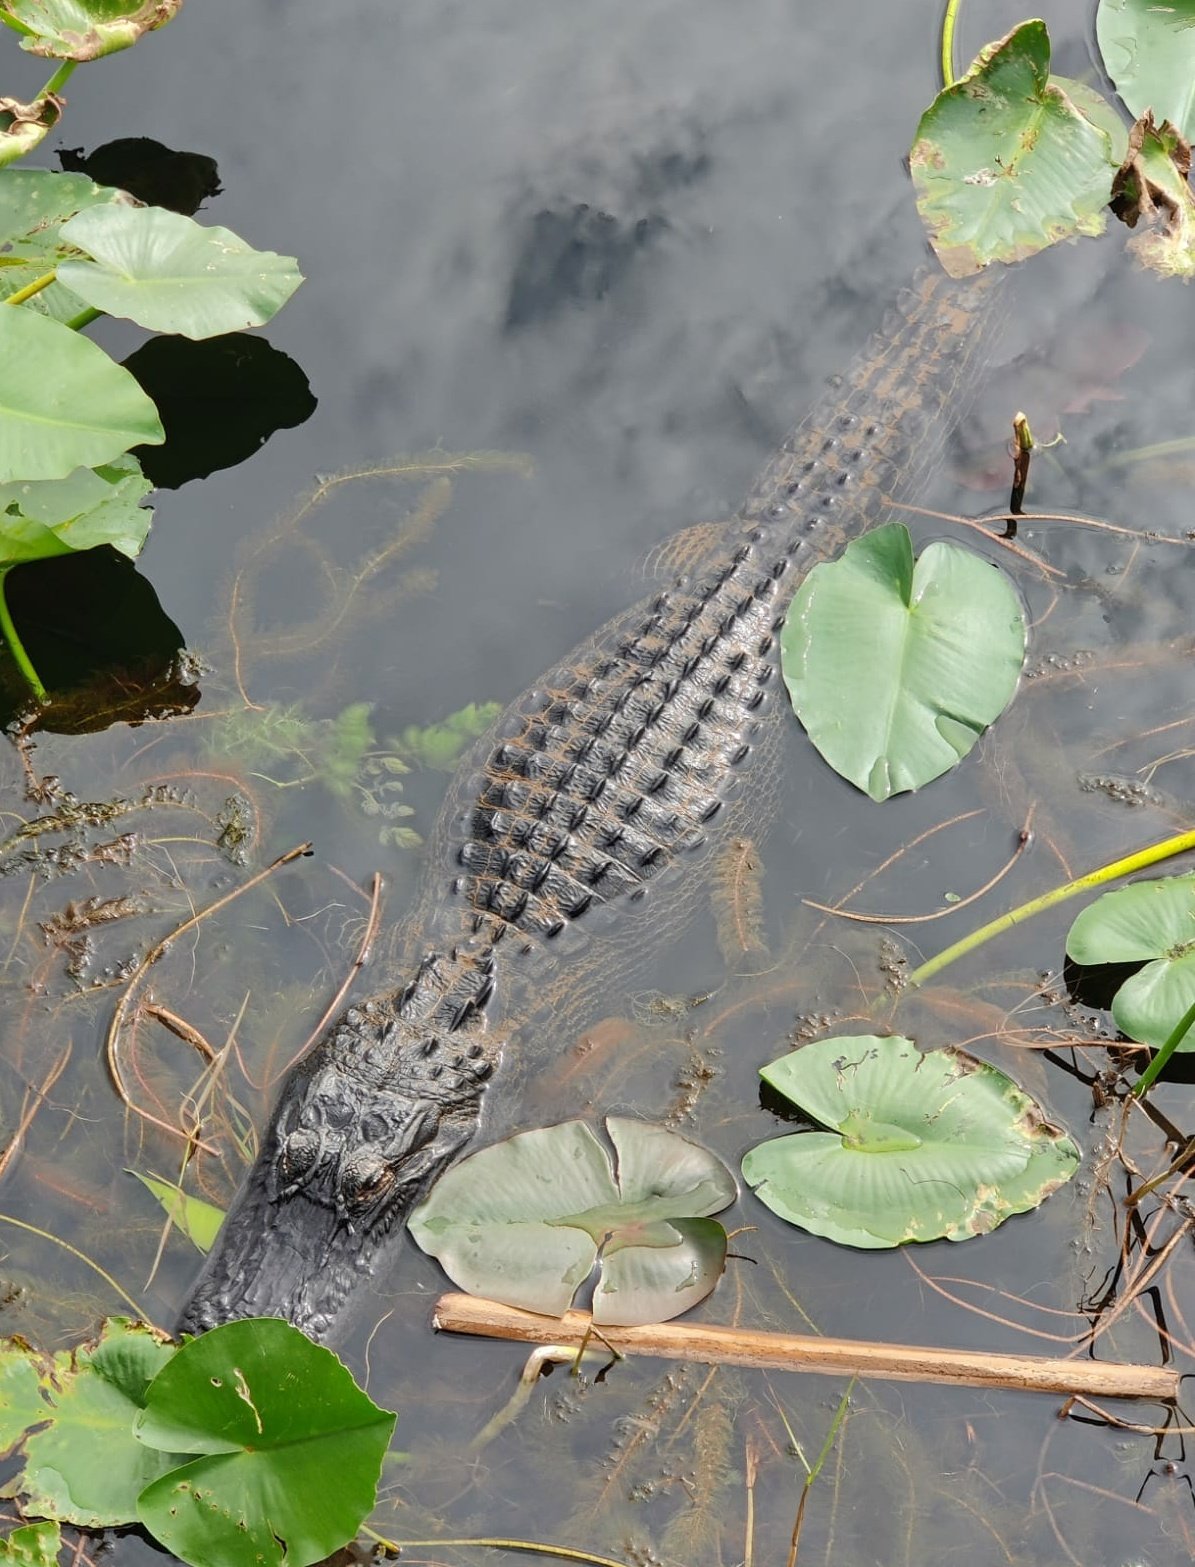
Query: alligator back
[[569, 834]]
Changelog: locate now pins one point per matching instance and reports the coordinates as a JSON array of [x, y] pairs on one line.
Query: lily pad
[[1149, 52], [86, 29], [34, 204], [895, 670], [291, 1449], [199, 1221], [1149, 922], [170, 274], [83, 1466], [1004, 162], [63, 403], [524, 1221], [923, 1146], [92, 506], [32, 1545]]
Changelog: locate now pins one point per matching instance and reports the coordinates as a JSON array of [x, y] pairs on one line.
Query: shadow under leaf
[[105, 649]]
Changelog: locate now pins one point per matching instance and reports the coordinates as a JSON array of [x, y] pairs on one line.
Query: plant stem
[[948, 23], [59, 79], [15, 646], [84, 318], [1158, 1065], [564, 1552], [1179, 844], [22, 294], [17, 27]]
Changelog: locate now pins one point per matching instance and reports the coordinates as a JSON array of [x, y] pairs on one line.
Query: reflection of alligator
[[569, 837]]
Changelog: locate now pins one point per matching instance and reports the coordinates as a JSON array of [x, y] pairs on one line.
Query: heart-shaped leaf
[[896, 670], [292, 1448], [523, 1221], [1150, 922], [1004, 163], [923, 1146], [170, 274]]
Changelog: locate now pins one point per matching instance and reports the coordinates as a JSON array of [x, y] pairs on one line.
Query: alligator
[[571, 836]]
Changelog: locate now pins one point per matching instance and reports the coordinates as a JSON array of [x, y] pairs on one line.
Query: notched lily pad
[[896, 670], [291, 1448], [923, 1146], [81, 1463], [524, 1221], [1004, 162], [1149, 922]]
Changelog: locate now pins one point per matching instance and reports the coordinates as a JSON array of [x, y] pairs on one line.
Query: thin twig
[[121, 1012], [31, 1104], [1023, 843], [358, 963]]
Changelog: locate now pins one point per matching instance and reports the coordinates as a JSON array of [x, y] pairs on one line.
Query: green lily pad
[[32, 1545], [63, 403], [524, 1221], [895, 670], [291, 1449], [1149, 52], [86, 29], [92, 506], [170, 274], [1004, 163], [34, 204], [1150, 922], [199, 1221], [83, 1466], [923, 1146]]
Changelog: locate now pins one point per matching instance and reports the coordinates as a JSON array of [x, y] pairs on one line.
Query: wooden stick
[[801, 1352]]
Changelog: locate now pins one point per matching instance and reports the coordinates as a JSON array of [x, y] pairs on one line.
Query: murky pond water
[[613, 253]]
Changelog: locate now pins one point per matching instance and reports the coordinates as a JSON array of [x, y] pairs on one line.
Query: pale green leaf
[[171, 274], [895, 670], [63, 403], [1149, 52]]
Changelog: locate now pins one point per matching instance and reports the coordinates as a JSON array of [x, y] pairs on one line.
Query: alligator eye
[[365, 1178], [298, 1154]]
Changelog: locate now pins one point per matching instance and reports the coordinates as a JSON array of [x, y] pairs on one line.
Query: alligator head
[[364, 1124]]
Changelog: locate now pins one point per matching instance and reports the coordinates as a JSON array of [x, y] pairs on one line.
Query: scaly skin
[[601, 783]]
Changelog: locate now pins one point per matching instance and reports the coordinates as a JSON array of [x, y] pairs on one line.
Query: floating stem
[[948, 24], [22, 294], [59, 79], [1165, 850], [15, 646], [84, 318]]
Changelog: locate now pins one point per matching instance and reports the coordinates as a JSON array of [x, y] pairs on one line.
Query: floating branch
[[803, 1352]]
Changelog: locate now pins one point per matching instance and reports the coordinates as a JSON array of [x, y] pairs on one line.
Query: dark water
[[629, 241]]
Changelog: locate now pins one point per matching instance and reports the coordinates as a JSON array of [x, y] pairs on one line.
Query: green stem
[[1158, 1065], [1179, 844], [1182, 443], [59, 79], [15, 646], [948, 24], [22, 294], [17, 27], [84, 318]]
